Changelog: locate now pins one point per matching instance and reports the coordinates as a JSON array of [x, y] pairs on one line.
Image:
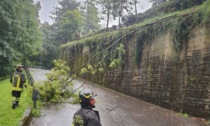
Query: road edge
[[27, 116]]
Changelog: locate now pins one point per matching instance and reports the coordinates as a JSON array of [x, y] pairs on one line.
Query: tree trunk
[[108, 16], [135, 2], [120, 13], [86, 16]]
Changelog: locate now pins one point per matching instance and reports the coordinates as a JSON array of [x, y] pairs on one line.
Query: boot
[[13, 104], [17, 103]]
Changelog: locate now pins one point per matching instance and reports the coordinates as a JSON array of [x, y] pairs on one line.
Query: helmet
[[85, 96], [19, 66]]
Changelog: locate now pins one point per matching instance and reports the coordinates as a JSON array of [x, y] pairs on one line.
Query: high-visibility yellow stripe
[[88, 96], [18, 82]]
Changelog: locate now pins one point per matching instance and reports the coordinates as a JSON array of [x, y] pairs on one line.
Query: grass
[[9, 116]]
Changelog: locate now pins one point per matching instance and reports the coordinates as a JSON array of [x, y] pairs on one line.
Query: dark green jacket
[[86, 117]]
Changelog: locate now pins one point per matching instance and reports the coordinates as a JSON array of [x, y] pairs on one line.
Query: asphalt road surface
[[115, 110]]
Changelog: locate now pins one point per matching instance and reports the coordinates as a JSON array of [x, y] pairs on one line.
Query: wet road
[[115, 110], [38, 74]]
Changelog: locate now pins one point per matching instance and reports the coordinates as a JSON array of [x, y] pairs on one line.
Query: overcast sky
[[48, 5]]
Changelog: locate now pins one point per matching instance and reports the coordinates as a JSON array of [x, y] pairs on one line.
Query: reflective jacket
[[86, 117], [17, 80]]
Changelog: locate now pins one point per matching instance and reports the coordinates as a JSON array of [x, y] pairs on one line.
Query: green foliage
[[93, 72], [48, 51], [83, 71], [57, 87], [163, 7], [36, 112], [49, 46], [76, 99], [70, 24], [107, 9], [206, 12], [113, 64], [88, 69], [68, 21], [185, 115], [90, 13], [64, 5], [121, 49], [179, 24], [118, 61], [101, 70], [120, 8], [105, 37], [19, 33], [180, 32]]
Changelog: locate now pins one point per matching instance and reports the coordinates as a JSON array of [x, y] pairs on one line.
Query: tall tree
[[49, 47], [90, 13], [115, 8], [68, 21], [19, 32], [135, 8], [108, 9], [70, 26], [124, 7], [63, 7]]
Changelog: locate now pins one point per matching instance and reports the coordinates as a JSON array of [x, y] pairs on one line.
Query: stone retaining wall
[[176, 80]]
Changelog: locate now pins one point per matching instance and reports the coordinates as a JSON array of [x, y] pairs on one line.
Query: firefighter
[[17, 80], [86, 116]]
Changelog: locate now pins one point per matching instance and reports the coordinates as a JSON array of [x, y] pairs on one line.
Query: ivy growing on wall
[[179, 24], [146, 35], [119, 58]]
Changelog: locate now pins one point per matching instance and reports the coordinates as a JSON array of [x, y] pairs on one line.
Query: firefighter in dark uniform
[[17, 80], [86, 116]]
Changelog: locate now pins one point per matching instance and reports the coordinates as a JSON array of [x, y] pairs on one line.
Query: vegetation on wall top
[[179, 23], [169, 6]]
